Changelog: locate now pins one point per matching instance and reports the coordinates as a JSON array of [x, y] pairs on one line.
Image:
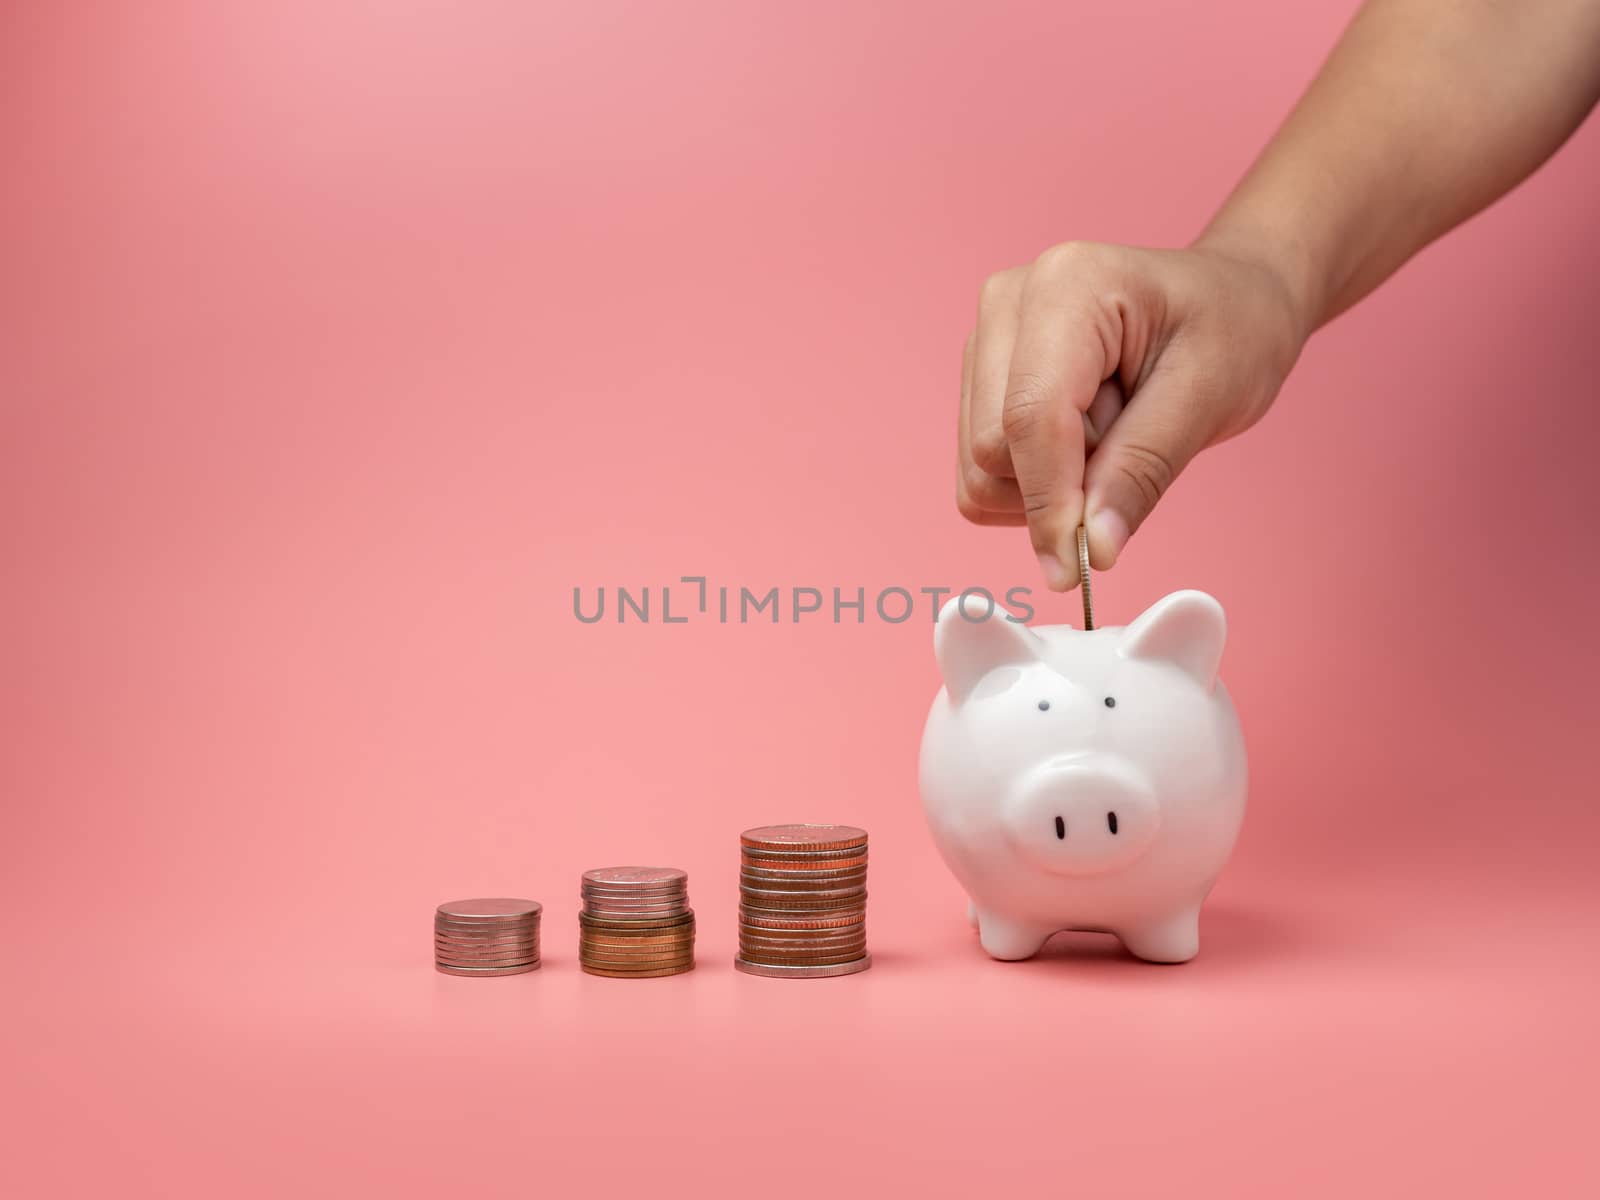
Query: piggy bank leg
[[1174, 939], [1009, 940]]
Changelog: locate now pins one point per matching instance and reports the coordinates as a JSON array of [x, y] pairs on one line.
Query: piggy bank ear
[[971, 642], [1186, 629]]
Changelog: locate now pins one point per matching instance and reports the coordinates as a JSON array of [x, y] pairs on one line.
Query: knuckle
[[981, 487], [1027, 398], [996, 290], [989, 450], [1066, 259], [968, 507], [1149, 470]]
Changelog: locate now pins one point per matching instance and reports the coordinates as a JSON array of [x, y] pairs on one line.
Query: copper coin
[[802, 853], [789, 928], [803, 972], [680, 916], [633, 925], [635, 953], [796, 837], [784, 927], [661, 954], [804, 864], [638, 946], [485, 963], [659, 973], [489, 910], [444, 969]]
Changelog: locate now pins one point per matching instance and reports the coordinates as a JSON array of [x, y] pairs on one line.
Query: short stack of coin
[[636, 923], [803, 901], [486, 937]]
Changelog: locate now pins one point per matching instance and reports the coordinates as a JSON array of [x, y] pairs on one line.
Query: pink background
[[338, 342]]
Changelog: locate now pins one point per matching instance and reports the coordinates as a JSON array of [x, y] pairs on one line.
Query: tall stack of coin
[[803, 901], [486, 937], [636, 923]]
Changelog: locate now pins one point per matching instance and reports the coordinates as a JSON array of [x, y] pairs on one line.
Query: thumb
[[1154, 438]]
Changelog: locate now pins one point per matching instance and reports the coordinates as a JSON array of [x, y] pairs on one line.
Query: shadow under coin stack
[[486, 937], [636, 923], [803, 901]]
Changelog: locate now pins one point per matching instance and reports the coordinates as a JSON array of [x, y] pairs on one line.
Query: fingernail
[[1108, 531], [1055, 575]]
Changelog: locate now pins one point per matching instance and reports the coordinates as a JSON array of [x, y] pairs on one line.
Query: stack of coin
[[486, 937], [803, 901], [636, 923]]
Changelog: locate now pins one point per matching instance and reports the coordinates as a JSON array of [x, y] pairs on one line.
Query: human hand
[[1096, 373]]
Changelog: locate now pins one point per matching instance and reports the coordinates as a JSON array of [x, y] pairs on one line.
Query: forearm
[[1426, 112]]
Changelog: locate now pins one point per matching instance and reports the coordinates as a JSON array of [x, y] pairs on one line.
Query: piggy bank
[[1089, 780]]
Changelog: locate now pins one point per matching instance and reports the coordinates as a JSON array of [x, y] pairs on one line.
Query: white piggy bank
[[1084, 780]]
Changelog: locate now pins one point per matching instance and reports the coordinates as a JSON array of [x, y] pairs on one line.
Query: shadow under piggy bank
[[1235, 938]]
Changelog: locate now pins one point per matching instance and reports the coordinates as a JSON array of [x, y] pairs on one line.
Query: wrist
[[1287, 260]]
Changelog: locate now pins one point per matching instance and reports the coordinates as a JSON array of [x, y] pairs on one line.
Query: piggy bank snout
[[1082, 817]]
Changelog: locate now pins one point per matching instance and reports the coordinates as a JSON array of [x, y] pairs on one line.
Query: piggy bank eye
[[1111, 701], [1044, 706]]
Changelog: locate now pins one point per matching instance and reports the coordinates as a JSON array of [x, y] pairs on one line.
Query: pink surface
[[339, 342]]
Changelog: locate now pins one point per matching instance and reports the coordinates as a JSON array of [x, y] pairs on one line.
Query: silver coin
[[834, 952], [484, 929], [782, 897], [802, 883], [803, 972], [482, 943], [636, 876], [495, 909], [826, 938], [444, 969], [523, 952], [605, 889]]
